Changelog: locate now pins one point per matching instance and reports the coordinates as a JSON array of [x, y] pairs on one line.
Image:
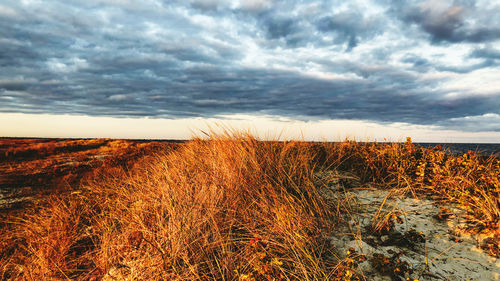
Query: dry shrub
[[470, 180]]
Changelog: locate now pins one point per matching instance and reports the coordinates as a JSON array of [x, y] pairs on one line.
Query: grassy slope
[[31, 167], [229, 208]]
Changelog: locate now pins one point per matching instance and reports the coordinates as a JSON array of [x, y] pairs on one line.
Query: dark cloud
[[206, 5], [419, 63], [455, 22], [350, 27], [466, 68], [486, 53], [424, 65], [386, 96], [280, 27], [441, 25], [486, 122], [300, 24], [206, 58]]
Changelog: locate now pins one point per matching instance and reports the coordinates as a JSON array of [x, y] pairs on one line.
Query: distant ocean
[[460, 148]]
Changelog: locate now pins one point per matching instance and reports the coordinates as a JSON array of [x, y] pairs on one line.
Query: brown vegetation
[[229, 208], [470, 180], [30, 167]]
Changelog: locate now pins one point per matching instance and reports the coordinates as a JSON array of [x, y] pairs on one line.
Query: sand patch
[[424, 243]]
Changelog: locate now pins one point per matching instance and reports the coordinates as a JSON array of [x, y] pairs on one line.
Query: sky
[[379, 69]]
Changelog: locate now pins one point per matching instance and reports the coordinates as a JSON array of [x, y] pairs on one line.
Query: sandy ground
[[425, 243]]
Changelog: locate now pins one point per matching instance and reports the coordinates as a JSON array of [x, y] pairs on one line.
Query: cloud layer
[[423, 63]]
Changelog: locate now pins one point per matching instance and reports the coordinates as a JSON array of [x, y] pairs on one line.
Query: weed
[[392, 266], [470, 180]]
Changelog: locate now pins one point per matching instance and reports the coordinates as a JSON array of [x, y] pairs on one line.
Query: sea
[[461, 148]]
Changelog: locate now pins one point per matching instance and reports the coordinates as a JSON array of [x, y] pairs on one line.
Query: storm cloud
[[423, 63], [454, 21]]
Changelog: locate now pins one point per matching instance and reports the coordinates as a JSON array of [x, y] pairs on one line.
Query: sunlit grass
[[470, 180], [225, 208], [230, 207]]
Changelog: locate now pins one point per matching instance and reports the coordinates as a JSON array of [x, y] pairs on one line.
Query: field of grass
[[231, 207], [31, 167]]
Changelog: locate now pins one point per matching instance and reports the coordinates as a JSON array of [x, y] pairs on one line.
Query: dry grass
[[228, 208], [470, 180], [33, 167], [220, 209]]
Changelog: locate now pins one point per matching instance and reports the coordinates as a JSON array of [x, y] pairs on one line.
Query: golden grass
[[220, 209], [30, 167], [470, 180], [228, 208]]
